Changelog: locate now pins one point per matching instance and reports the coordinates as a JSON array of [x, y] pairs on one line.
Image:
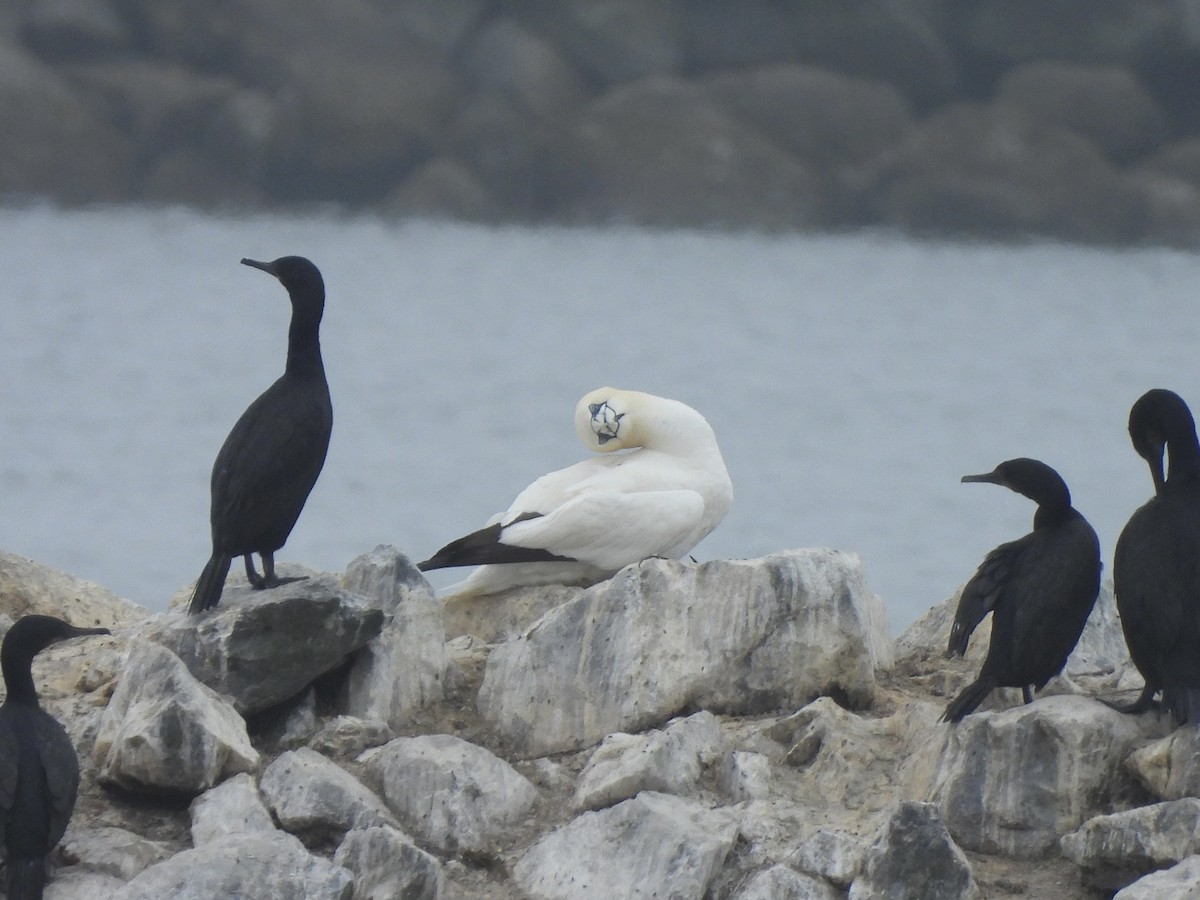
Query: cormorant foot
[[275, 581]]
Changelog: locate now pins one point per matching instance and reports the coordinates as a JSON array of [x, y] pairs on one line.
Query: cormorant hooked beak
[[256, 264]]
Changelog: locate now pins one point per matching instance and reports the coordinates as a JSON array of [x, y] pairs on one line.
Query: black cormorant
[[1156, 566], [39, 772], [272, 457], [1040, 590]]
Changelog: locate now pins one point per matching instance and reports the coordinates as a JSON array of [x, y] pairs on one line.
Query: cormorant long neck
[[1183, 454], [304, 344], [1054, 513], [18, 679]]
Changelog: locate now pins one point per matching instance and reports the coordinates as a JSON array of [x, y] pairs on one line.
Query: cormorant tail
[[972, 695], [210, 584], [26, 879]]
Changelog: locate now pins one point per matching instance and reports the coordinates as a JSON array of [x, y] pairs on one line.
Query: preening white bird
[[658, 488]]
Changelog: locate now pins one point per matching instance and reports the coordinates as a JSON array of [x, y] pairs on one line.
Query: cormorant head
[[32, 634], [299, 276], [1030, 478], [1158, 420]]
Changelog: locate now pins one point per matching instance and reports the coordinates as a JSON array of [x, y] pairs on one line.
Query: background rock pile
[[1068, 118], [733, 729]]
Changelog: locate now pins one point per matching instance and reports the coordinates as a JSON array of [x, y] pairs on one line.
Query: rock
[[1105, 104], [831, 120], [896, 42], [781, 883], [441, 24], [668, 761], [1170, 766], [506, 615], [112, 851], [1115, 850], [1179, 159], [914, 857], [385, 863], [453, 795], [78, 883], [30, 588], [1011, 783], [735, 637], [505, 58], [1181, 882], [311, 795], [833, 855], [508, 151], [53, 145], [612, 41], [1070, 30], [987, 170], [232, 807], [659, 152], [253, 866], [403, 670], [746, 776], [163, 731], [347, 736], [73, 29], [293, 723], [654, 845], [444, 189], [256, 645]]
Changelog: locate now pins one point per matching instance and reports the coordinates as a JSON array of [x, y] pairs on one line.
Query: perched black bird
[[272, 457], [39, 772], [1156, 566], [1040, 590]]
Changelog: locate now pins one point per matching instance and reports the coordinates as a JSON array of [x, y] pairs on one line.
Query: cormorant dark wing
[[1051, 593], [980, 594], [268, 465], [9, 751], [61, 766]]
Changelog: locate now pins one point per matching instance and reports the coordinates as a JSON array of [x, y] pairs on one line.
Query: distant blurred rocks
[[998, 118]]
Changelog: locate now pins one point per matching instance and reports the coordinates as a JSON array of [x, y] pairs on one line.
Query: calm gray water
[[851, 381]]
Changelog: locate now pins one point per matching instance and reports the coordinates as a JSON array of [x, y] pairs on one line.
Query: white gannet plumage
[[658, 489]]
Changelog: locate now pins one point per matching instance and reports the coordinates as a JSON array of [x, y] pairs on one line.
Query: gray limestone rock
[[346, 736], [1181, 882], [403, 670], [253, 866], [164, 731], [1170, 766], [914, 857], [262, 647], [834, 855], [669, 761], [309, 794], [1012, 783], [746, 775], [1115, 850], [781, 883], [654, 845], [662, 636], [112, 851], [81, 883], [451, 794], [232, 807], [386, 864]]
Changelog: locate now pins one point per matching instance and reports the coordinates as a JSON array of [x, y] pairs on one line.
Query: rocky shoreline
[[1065, 119], [733, 729]]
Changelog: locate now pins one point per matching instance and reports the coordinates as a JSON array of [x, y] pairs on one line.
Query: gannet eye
[[606, 421]]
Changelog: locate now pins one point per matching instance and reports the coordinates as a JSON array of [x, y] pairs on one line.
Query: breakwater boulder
[[986, 117], [735, 729]]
